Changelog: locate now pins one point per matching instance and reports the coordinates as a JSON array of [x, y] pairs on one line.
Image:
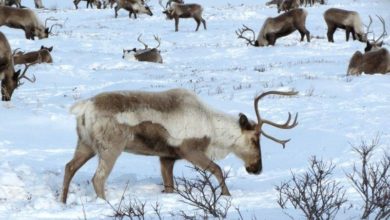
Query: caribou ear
[[50, 48], [244, 122], [380, 44]]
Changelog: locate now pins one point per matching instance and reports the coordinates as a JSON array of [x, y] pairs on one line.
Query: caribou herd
[[175, 124]]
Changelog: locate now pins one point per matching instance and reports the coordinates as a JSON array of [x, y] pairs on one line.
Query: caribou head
[[375, 43], [253, 131]]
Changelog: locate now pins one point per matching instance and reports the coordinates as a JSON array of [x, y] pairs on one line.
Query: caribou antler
[[286, 125], [16, 50], [139, 40], [240, 33], [158, 41], [26, 66], [51, 27], [384, 33]]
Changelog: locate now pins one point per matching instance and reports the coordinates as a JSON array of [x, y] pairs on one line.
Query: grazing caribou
[[40, 56], [108, 2], [280, 26], [10, 79], [348, 20], [147, 54], [172, 125], [89, 3], [375, 58], [177, 10], [133, 6], [26, 20]]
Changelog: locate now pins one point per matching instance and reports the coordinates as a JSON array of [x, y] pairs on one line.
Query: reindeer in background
[[26, 20], [10, 79], [40, 56], [133, 6], [178, 10], [375, 59], [147, 54], [274, 28]]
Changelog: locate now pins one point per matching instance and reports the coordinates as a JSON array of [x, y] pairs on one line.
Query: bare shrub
[[132, 208], [372, 181], [313, 192], [203, 195]]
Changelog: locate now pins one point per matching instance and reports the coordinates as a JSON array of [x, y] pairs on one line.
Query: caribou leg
[[167, 173], [176, 24], [331, 30], [193, 151], [82, 154]]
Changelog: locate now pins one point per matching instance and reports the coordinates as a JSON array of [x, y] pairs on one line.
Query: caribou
[[348, 20], [40, 56], [98, 3], [274, 28], [179, 10], [26, 20], [10, 79], [133, 6], [375, 58], [147, 54], [173, 124]]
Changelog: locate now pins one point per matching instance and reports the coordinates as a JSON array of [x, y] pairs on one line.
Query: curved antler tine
[[16, 50], [50, 19], [139, 40], [286, 125], [51, 28], [158, 40], [282, 142], [384, 33]]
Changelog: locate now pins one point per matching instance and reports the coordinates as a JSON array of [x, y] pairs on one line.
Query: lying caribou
[[375, 58], [178, 10], [24, 19], [147, 54], [274, 28], [40, 56], [89, 3], [133, 6], [10, 79], [348, 20], [172, 125]]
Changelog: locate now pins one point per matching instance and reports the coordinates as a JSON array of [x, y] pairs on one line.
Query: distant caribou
[[133, 6], [26, 20], [274, 28], [147, 54], [40, 56], [178, 10], [348, 20], [375, 58], [172, 125], [98, 3], [10, 79]]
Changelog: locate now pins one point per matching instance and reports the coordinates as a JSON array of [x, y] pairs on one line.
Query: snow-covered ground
[[38, 136]]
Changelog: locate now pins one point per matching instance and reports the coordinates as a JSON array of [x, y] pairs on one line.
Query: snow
[[38, 136]]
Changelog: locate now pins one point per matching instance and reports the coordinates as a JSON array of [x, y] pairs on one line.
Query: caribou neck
[[226, 132]]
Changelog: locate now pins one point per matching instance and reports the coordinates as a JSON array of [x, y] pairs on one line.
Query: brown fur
[[377, 61], [9, 77], [283, 25], [24, 19], [42, 55], [177, 11], [133, 6], [287, 5], [122, 101], [347, 20]]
